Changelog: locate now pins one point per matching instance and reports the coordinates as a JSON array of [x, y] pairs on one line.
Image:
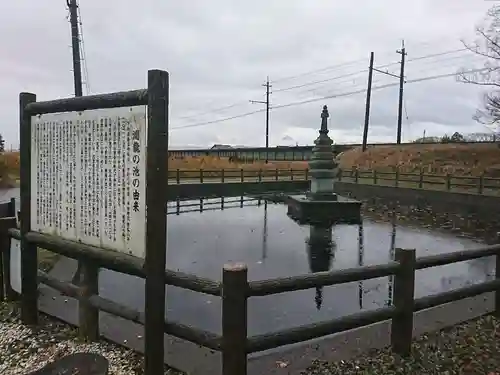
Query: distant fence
[[235, 289], [471, 184], [236, 175]]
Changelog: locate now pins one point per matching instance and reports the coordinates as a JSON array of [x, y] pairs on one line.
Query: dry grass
[[11, 164], [468, 159], [9, 169], [216, 163], [460, 159]]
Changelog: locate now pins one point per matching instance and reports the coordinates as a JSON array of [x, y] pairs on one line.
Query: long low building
[[280, 153]]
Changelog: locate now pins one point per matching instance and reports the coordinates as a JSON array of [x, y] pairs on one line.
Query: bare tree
[[487, 45]]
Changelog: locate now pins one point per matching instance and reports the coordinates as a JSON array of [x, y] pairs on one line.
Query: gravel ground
[[23, 349], [470, 348]]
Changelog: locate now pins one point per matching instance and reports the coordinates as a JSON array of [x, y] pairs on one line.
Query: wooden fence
[[236, 175], [235, 289], [473, 184]]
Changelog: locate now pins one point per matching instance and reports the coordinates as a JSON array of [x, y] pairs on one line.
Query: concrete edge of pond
[[346, 345], [291, 360]]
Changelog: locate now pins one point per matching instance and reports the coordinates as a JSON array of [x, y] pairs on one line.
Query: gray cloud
[[220, 52]]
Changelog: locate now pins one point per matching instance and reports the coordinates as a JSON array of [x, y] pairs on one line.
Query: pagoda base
[[335, 210]]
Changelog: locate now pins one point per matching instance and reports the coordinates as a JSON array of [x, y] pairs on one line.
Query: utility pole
[[267, 103], [368, 100], [75, 45], [77, 77], [401, 85], [401, 82]]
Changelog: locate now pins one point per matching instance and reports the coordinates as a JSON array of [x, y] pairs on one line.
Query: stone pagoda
[[321, 205], [322, 166]]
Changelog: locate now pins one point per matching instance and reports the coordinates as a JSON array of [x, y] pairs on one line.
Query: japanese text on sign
[[88, 174]]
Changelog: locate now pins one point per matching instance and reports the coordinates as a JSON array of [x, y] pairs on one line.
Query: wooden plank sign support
[[156, 225], [29, 261]]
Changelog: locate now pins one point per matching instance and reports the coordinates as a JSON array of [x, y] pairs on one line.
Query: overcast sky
[[219, 53]]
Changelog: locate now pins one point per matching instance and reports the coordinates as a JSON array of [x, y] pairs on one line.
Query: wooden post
[[340, 174], [375, 177], [307, 174], [404, 290], [480, 187], [178, 176], [29, 261], [421, 179], [356, 175], [276, 174], [201, 176], [222, 175], [260, 174], [448, 182], [396, 178], [10, 294], [156, 223], [88, 315], [234, 319], [497, 276], [242, 175], [6, 291], [291, 174]]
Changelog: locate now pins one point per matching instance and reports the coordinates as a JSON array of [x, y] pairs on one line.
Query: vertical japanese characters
[[88, 177]]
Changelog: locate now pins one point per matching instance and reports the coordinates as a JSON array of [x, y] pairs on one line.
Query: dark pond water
[[273, 245], [202, 238]]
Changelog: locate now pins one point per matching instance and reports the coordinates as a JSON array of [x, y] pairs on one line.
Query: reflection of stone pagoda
[[321, 205], [321, 251]]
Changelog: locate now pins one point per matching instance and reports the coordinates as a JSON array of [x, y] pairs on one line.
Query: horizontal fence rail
[[472, 184], [235, 289], [481, 184], [236, 175]]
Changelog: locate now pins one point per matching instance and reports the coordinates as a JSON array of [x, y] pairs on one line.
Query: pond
[[203, 235]]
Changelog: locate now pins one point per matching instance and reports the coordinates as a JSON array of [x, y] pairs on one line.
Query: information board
[[88, 177]]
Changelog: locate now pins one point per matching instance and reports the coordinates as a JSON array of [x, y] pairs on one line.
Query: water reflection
[[392, 251], [210, 204], [321, 252], [361, 258], [264, 232]]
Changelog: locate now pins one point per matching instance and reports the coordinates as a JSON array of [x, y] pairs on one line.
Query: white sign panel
[[15, 265], [88, 177]]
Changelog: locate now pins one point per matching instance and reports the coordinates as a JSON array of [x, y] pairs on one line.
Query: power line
[[331, 67], [345, 94], [213, 110], [321, 81], [347, 63], [219, 120], [365, 70], [219, 109], [374, 88], [413, 71]]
